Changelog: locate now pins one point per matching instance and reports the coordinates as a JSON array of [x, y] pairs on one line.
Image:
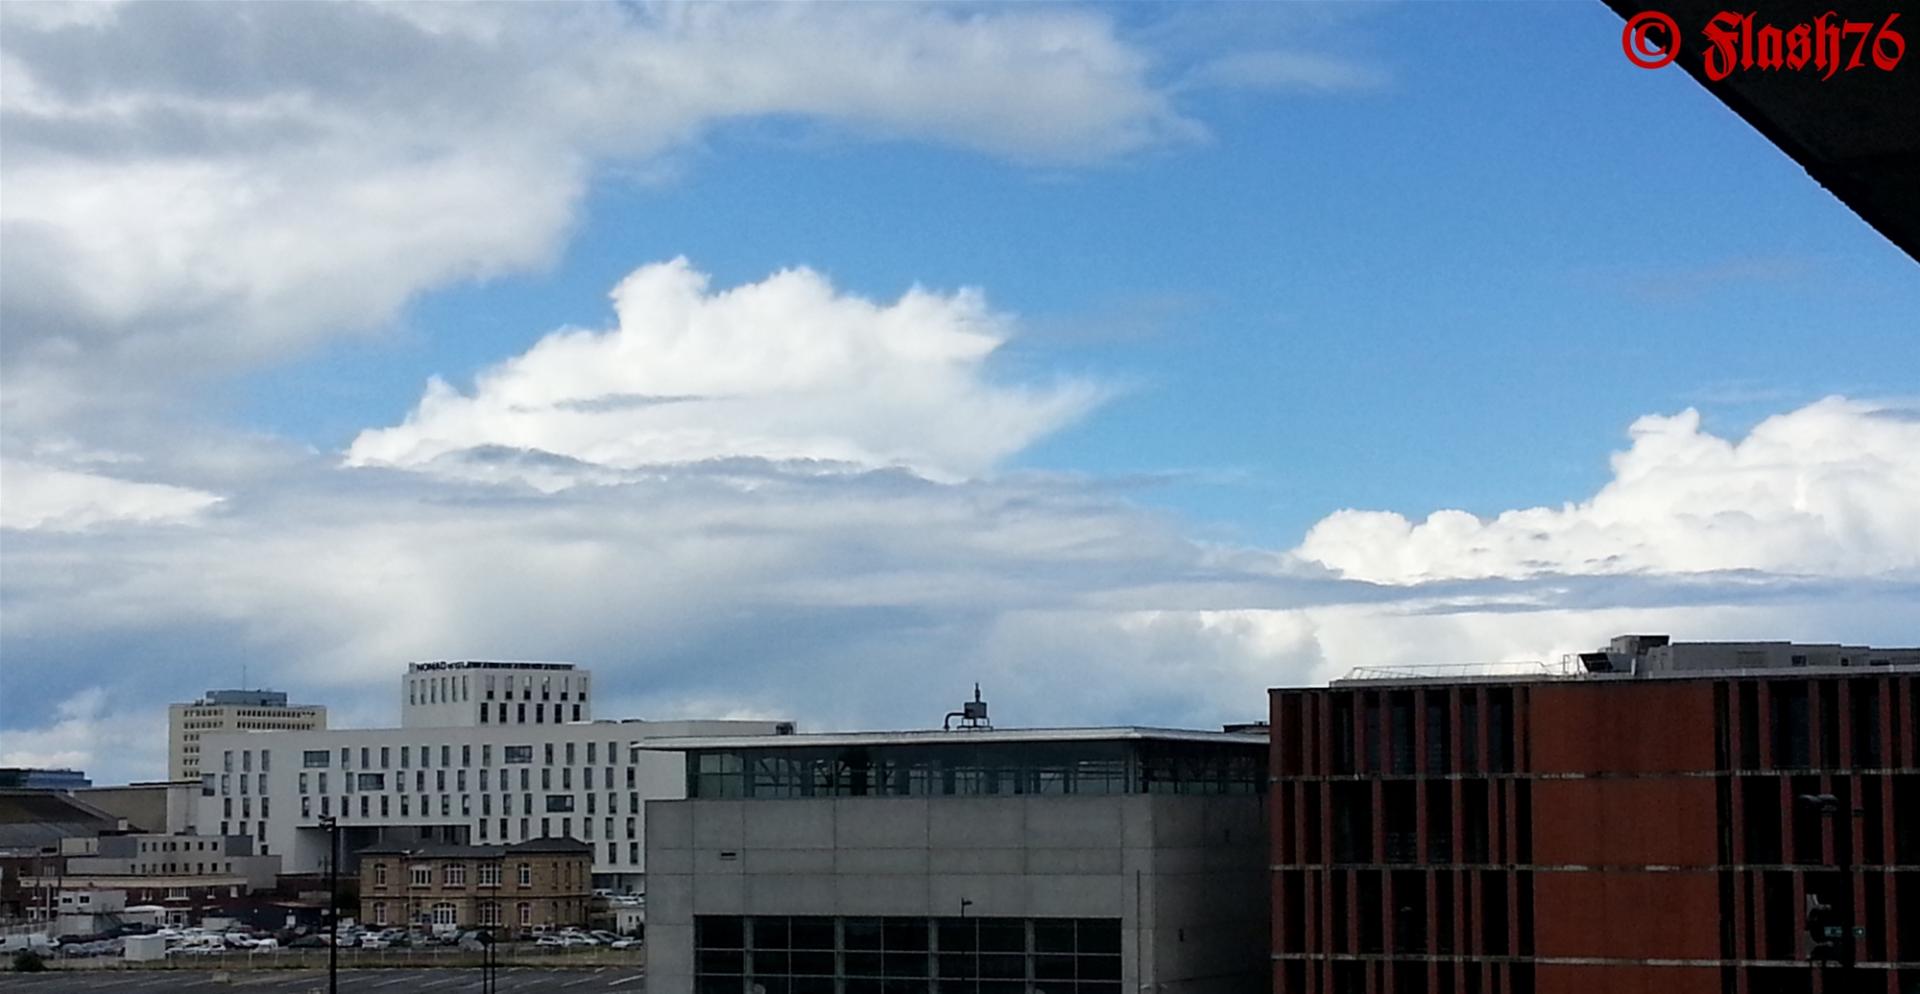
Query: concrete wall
[[168, 808], [1185, 875]]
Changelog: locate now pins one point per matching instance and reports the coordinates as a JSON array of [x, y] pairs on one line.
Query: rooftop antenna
[[972, 715]]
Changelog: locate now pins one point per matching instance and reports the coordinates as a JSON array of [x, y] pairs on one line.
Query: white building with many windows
[[488, 753]]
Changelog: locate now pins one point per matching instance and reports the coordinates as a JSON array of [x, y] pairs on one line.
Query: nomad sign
[[1738, 43]]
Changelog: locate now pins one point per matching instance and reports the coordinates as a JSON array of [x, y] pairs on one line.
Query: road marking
[[626, 980], [396, 980]]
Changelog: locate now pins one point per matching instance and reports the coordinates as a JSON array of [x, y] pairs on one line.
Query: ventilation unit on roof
[[972, 715]]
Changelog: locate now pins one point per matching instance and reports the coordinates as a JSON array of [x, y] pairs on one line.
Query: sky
[[819, 361]]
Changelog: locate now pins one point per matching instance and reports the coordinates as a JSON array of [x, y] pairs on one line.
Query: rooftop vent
[[972, 715]]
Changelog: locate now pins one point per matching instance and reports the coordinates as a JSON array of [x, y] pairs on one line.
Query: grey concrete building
[[1065, 861]]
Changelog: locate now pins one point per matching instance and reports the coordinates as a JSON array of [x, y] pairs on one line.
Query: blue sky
[[1306, 337], [1516, 240]]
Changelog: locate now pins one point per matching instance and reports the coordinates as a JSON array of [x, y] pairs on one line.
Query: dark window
[[1760, 819], [1493, 901], [1473, 816], [1400, 731], [1439, 734], [1906, 831], [1371, 909], [1500, 730], [1783, 917], [1749, 726], [1370, 708], [1809, 825], [1864, 702], [1829, 691], [1410, 912], [516, 754], [1352, 822], [1401, 821], [1469, 731], [1791, 744], [1341, 706]]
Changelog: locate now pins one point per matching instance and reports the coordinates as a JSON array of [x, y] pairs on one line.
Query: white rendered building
[[487, 753]]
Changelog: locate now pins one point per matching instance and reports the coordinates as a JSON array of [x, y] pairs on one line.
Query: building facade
[[132, 858], [479, 780], [536, 884], [226, 711], [34, 778], [1094, 860], [1647, 822]]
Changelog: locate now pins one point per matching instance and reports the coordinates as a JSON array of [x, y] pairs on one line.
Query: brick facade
[[1627, 834]]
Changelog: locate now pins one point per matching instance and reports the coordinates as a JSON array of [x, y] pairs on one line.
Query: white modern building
[[1065, 861], [230, 710], [488, 753]]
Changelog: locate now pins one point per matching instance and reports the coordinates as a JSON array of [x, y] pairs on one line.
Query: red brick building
[[1633, 825]]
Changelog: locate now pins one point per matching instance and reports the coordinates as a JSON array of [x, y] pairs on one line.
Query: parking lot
[[438, 980]]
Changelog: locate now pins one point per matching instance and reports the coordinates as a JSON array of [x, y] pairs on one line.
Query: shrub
[[28, 961]]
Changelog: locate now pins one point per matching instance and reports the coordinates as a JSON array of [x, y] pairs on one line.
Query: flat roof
[[1408, 678], [937, 736], [439, 665]]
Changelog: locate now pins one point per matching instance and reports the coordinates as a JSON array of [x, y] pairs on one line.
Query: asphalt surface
[[440, 980]]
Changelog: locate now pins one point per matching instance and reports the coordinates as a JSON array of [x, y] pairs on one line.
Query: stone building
[[539, 883]]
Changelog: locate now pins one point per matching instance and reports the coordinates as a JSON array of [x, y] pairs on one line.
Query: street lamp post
[[333, 903]]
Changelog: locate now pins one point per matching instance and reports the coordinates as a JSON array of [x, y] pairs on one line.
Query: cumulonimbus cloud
[[1832, 488], [787, 369]]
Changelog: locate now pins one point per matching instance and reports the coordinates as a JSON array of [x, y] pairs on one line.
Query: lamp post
[[1823, 918], [332, 828]]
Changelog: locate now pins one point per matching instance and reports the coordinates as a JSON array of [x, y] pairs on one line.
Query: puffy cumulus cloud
[[196, 189], [41, 496], [787, 369], [1830, 489]]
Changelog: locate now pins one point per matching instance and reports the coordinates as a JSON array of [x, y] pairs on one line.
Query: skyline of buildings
[[1734, 817]]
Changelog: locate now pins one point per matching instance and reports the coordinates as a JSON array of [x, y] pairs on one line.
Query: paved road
[[512, 980]]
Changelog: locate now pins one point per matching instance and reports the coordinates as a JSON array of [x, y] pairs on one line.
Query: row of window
[[175, 845], [382, 757], [458, 688], [202, 869], [376, 782], [446, 913], [555, 804], [455, 875], [991, 768], [800, 955], [520, 714]]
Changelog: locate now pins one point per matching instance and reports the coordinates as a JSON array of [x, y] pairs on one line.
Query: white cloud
[[1281, 70], [851, 599], [1830, 489], [34, 495], [198, 189], [787, 369], [86, 734]]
